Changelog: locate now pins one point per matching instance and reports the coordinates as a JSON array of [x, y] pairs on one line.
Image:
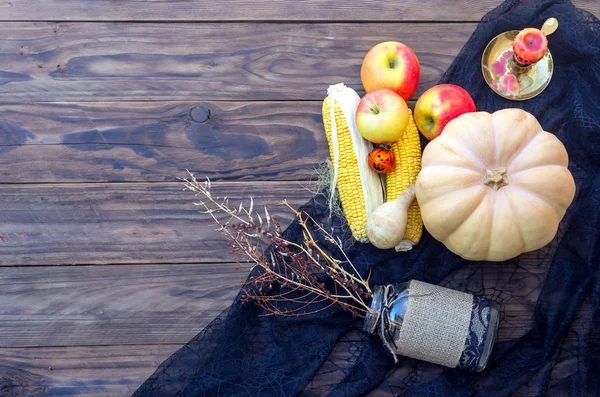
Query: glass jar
[[433, 323]]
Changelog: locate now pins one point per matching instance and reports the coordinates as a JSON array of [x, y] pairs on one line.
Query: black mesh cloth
[[549, 336]]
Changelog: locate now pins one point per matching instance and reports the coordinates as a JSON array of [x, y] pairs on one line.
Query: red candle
[[530, 46]]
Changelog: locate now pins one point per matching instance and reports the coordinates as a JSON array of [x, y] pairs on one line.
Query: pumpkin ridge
[[518, 153], [457, 167], [512, 214], [471, 212], [473, 156], [496, 145], [546, 242], [538, 166], [543, 200], [466, 186], [494, 210], [494, 199]]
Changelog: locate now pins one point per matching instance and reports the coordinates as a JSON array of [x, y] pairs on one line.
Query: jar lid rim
[[372, 317]]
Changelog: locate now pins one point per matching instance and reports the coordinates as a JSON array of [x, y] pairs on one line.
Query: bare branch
[[296, 278]]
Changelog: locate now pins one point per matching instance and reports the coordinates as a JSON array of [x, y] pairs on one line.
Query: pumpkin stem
[[496, 178]]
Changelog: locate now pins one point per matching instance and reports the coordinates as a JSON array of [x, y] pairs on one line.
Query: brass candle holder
[[517, 65]]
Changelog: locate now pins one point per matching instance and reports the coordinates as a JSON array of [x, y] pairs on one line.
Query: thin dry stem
[[294, 276]]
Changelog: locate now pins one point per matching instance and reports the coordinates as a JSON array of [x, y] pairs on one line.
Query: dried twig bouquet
[[294, 278]]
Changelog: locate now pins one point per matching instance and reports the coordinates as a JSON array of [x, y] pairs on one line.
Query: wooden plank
[[130, 305], [103, 371], [123, 223], [210, 61], [287, 10], [79, 371], [158, 141], [105, 305], [150, 304]]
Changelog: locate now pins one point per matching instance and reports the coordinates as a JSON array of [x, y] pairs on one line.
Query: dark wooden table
[[106, 268]]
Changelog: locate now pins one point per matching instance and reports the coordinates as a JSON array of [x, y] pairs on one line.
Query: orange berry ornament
[[382, 160]]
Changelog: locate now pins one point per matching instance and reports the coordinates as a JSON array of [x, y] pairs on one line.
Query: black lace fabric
[[549, 336]]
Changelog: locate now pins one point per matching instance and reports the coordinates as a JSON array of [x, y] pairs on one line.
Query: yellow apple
[[382, 116]]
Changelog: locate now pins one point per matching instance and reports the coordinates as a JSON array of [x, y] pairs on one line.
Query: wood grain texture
[[79, 371], [105, 305], [208, 61], [139, 304], [73, 314], [123, 223], [163, 272], [117, 371], [158, 141], [240, 10]]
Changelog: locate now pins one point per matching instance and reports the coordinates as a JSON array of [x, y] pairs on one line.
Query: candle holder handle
[[550, 26]]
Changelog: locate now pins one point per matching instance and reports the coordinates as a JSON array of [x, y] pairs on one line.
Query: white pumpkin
[[494, 185]]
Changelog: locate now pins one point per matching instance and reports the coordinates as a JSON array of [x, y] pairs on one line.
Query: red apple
[[382, 116], [391, 65], [440, 104]]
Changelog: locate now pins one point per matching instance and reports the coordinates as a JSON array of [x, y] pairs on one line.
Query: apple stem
[[374, 109]]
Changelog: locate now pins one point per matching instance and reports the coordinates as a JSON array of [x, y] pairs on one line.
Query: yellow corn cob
[[407, 151], [360, 189]]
